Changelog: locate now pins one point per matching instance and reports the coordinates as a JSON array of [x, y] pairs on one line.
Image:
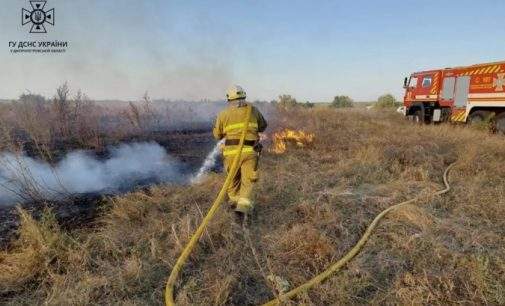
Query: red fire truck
[[470, 94]]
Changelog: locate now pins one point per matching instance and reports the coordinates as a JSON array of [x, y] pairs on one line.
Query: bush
[[286, 101], [342, 101], [308, 104], [387, 100]]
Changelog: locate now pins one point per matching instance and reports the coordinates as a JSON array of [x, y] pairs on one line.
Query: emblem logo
[[499, 82], [37, 17]]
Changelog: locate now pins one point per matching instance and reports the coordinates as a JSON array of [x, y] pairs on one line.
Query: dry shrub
[[47, 127], [34, 118]]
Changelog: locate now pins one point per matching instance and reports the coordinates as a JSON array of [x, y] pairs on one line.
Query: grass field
[[313, 204]]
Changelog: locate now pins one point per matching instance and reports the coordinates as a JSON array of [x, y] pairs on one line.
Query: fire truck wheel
[[478, 117], [418, 117], [500, 123]]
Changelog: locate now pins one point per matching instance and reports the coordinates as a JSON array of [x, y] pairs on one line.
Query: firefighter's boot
[[244, 206]]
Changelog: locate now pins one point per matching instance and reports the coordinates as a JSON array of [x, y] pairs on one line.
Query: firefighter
[[229, 125]]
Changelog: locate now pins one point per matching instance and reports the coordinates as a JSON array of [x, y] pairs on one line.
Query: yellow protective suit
[[229, 125]]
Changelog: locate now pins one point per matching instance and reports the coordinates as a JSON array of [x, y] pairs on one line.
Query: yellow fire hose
[[169, 290], [355, 250]]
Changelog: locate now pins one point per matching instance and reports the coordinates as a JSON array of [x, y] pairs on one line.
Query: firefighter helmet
[[235, 93]]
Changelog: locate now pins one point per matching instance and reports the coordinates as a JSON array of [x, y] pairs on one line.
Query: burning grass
[[313, 205], [280, 140]]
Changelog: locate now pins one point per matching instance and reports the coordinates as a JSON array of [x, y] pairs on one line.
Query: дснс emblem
[[38, 16]]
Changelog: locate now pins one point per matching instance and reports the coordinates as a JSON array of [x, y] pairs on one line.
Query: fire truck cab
[[471, 94]]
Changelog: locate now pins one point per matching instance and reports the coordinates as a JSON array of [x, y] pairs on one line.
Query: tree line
[[339, 101]]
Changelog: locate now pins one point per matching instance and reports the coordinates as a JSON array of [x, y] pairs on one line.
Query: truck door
[[461, 94], [423, 91], [410, 92]]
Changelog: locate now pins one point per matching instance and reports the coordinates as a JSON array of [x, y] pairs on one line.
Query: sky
[[312, 50]]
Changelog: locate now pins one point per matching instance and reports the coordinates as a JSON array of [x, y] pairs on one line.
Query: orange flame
[[300, 138]]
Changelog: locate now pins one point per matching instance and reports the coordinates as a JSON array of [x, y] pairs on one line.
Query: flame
[[299, 137]]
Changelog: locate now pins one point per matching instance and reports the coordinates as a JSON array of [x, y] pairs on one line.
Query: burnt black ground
[[188, 147], [75, 211]]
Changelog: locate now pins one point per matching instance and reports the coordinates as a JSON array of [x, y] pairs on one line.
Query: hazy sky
[[312, 50]]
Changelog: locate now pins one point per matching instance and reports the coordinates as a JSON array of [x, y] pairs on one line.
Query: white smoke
[[23, 178]]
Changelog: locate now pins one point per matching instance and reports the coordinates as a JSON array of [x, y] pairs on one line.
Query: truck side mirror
[[405, 82]]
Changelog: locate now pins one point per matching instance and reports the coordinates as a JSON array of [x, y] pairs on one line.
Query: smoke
[[181, 115], [23, 178]]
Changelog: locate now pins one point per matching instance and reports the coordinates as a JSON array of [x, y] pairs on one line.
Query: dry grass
[[313, 205], [49, 128]]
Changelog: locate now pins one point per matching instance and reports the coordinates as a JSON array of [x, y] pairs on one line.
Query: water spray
[[210, 161]]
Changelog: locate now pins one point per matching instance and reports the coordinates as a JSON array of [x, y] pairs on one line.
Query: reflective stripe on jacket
[[237, 127]]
